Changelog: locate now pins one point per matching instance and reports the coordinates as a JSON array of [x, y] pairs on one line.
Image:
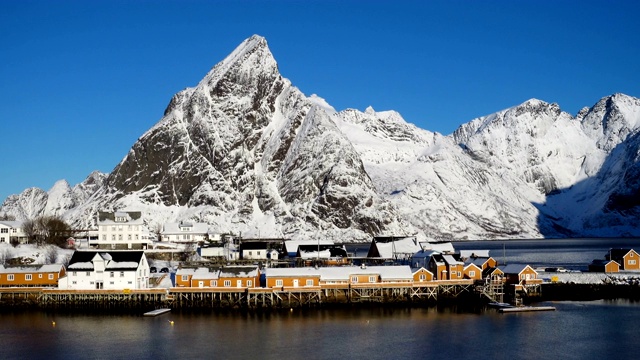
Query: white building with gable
[[184, 232], [121, 230], [113, 270]]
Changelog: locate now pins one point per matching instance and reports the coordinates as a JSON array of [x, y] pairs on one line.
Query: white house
[[11, 231], [184, 232], [112, 270], [121, 230]]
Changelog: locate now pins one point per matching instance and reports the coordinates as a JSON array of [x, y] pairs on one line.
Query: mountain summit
[[247, 152]]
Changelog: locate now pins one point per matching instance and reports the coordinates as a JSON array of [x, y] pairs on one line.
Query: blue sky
[[81, 81]]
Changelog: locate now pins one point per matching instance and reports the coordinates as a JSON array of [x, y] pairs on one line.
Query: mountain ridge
[[247, 152]]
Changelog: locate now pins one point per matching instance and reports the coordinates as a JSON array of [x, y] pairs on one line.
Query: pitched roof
[[193, 228], [118, 260], [133, 217], [49, 268], [405, 246], [239, 271], [465, 254], [513, 268]]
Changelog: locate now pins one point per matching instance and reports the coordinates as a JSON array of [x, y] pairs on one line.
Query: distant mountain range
[[247, 152]]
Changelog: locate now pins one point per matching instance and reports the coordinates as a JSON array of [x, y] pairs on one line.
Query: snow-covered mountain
[[247, 152]]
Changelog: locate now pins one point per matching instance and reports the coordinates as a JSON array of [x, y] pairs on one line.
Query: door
[[239, 283], [200, 283], [99, 285], [295, 283]]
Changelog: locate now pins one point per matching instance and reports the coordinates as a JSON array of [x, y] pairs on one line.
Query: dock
[[157, 312], [526, 309]]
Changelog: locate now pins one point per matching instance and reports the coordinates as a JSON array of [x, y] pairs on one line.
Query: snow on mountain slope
[[245, 151]]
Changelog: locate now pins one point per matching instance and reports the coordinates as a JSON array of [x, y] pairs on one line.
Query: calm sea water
[[577, 330]]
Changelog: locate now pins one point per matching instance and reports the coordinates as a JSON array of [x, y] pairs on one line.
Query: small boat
[[157, 312], [526, 309], [499, 305]]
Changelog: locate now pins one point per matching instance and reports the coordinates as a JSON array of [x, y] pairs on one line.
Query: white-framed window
[[249, 283], [50, 276], [354, 279], [214, 282], [39, 276], [309, 282], [472, 273], [632, 262], [372, 279], [28, 277], [185, 277], [423, 277], [279, 282], [227, 283]]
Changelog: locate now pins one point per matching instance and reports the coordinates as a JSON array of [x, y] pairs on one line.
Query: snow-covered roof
[[114, 260], [343, 273], [290, 272], [239, 271], [291, 246], [513, 268], [465, 254], [442, 247], [14, 224], [403, 246], [49, 268], [109, 218], [449, 259], [177, 228]]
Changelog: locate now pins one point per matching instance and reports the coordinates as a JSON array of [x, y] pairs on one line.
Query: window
[[372, 279], [354, 279], [472, 273], [74, 274], [50, 276], [28, 277], [129, 237], [632, 262], [423, 277], [111, 274], [104, 237], [4, 231], [227, 283], [214, 282], [309, 282], [88, 273], [120, 237], [10, 277], [185, 277], [249, 283], [39, 276], [278, 282], [91, 283], [121, 273], [111, 282], [129, 282], [113, 237], [74, 282]]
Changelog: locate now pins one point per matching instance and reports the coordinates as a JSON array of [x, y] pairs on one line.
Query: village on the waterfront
[[121, 267]]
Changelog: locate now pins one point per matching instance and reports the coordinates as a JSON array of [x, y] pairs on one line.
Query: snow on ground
[[588, 277], [37, 253]]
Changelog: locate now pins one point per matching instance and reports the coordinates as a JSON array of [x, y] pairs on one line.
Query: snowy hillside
[[247, 152]]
